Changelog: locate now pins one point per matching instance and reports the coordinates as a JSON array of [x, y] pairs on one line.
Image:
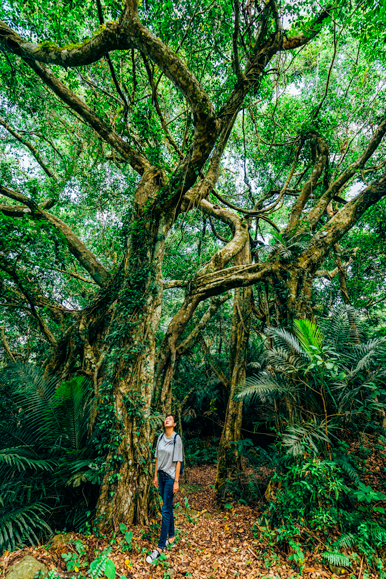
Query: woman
[[169, 456]]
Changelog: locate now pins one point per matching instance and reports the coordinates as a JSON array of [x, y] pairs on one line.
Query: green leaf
[[110, 569], [122, 527], [129, 536]]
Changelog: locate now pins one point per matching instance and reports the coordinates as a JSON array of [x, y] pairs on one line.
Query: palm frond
[[283, 360], [156, 420], [287, 339], [265, 386], [18, 525], [337, 328], [71, 401], [13, 457], [43, 435], [304, 437], [309, 335]]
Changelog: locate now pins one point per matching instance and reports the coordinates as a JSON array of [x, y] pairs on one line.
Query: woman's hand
[[176, 487], [155, 482]]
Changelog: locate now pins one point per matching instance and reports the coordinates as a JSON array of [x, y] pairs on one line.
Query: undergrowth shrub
[[201, 451], [49, 468], [323, 382]]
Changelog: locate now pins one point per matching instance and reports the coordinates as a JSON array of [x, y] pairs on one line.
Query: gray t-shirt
[[168, 453]]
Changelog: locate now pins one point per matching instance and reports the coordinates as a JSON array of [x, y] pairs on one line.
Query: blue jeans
[[166, 483]]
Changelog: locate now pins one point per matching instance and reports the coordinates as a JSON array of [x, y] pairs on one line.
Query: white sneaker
[[171, 544], [150, 558]]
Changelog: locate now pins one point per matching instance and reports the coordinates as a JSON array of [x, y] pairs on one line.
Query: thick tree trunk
[[228, 462], [114, 344], [129, 381]]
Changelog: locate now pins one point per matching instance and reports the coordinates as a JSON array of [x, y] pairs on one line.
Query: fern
[[12, 457], [315, 370], [98, 566], [285, 338], [346, 541], [348, 468], [265, 386], [338, 559]]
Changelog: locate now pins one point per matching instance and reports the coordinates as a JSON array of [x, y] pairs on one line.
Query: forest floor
[[211, 543]]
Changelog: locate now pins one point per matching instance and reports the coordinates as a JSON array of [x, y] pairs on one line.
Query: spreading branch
[[311, 183], [11, 271], [136, 160], [6, 347], [85, 257], [29, 146], [302, 38], [190, 341], [317, 211], [342, 221]]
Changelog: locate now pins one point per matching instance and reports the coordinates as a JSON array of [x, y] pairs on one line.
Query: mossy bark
[[228, 460]]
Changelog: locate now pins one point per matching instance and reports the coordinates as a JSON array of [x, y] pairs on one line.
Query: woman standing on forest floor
[[169, 456]]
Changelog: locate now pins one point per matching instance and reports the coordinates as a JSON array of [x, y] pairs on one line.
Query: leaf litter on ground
[[211, 543]]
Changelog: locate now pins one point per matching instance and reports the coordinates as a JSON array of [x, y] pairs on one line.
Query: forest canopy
[[183, 185]]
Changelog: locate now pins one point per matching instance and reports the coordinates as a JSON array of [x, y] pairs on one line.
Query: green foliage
[[328, 370], [320, 371], [198, 451], [47, 461], [338, 559], [128, 535], [314, 495], [98, 566], [313, 380]]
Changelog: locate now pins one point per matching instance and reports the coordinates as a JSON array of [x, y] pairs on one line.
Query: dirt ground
[[210, 544]]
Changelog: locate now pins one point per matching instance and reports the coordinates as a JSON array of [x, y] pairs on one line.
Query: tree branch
[[311, 184], [110, 38], [215, 233], [216, 282], [341, 222], [233, 247], [75, 275], [42, 323], [316, 212], [302, 39], [175, 283], [340, 266], [112, 71], [85, 257], [137, 161], [5, 344], [158, 109], [190, 341], [235, 36], [219, 373], [29, 146]]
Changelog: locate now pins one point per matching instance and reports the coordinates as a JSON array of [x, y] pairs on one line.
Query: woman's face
[[169, 422]]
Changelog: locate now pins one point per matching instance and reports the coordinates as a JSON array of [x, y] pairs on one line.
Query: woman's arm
[[176, 480], [155, 474]]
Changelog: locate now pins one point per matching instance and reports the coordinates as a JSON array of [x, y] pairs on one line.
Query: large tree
[[114, 136]]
